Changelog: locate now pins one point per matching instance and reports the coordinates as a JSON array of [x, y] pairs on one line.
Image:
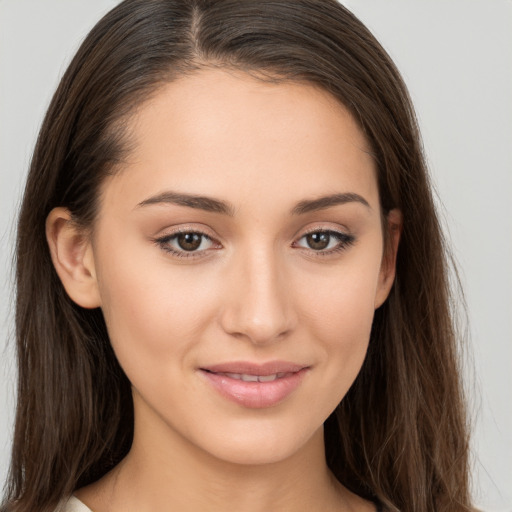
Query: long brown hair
[[399, 436]]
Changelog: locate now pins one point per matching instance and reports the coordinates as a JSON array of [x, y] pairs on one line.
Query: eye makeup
[[187, 243], [194, 243], [325, 242]]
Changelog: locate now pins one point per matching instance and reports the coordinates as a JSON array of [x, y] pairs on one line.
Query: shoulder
[[72, 504]]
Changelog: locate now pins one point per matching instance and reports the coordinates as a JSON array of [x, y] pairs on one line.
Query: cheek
[[340, 318], [153, 314], [345, 325], [341, 300]]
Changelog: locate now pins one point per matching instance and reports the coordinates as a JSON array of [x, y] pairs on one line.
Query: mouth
[[246, 377], [255, 386]]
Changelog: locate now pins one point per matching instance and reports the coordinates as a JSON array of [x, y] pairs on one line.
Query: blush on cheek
[[349, 306], [346, 337]]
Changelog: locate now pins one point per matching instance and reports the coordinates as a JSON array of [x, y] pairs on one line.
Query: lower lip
[[255, 395]]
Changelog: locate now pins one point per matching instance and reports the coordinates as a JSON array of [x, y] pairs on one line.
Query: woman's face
[[238, 255]]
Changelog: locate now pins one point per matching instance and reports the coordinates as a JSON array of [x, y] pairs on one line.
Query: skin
[[255, 290]]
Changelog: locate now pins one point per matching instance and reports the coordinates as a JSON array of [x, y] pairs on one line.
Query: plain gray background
[[456, 57]]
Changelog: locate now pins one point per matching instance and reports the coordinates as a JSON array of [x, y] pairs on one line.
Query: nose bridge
[[259, 306]]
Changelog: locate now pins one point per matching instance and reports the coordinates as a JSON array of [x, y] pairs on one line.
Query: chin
[[262, 444]]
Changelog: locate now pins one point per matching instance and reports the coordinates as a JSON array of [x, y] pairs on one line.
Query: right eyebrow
[[205, 203]]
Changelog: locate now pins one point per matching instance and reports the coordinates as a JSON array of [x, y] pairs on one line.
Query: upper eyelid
[[341, 235], [163, 243], [175, 234], [202, 230], [322, 227], [326, 229], [173, 231]]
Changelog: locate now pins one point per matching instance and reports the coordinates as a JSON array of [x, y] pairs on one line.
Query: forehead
[[216, 132]]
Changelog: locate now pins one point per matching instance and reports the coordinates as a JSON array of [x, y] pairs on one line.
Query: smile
[[255, 386], [255, 378]]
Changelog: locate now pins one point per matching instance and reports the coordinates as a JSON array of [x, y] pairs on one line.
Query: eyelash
[[163, 243], [344, 242]]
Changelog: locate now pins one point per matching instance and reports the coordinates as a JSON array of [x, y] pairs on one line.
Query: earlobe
[[394, 224], [73, 258]]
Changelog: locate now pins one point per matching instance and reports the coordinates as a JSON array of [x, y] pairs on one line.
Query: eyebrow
[[192, 201], [324, 202], [210, 204]]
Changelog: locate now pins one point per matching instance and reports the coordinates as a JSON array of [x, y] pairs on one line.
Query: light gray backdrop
[[456, 57]]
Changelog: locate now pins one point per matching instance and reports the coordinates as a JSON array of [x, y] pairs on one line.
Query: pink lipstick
[[255, 385]]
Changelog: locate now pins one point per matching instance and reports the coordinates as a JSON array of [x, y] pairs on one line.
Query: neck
[[165, 472], [178, 480]]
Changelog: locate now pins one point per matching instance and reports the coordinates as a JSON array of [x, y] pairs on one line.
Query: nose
[[258, 307]]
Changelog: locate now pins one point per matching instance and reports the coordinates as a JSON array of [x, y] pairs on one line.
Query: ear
[[393, 224], [72, 257]]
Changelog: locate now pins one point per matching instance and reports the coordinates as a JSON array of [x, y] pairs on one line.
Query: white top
[[75, 505]]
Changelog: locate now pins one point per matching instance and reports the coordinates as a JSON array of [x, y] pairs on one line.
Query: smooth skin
[[256, 269]]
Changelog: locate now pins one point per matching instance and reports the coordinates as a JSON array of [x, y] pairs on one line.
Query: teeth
[[267, 378], [254, 378], [249, 378]]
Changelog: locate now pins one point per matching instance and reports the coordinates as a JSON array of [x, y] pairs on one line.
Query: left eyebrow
[[321, 203]]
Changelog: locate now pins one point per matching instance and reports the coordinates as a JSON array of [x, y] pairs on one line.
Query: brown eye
[[187, 244], [189, 241], [325, 242], [318, 241]]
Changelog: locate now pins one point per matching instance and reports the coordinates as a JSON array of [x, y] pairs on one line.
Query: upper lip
[[249, 368]]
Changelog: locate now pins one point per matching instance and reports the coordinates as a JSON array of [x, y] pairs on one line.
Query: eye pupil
[[318, 241], [189, 241]]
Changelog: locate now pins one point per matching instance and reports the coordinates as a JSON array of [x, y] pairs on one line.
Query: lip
[[225, 379]]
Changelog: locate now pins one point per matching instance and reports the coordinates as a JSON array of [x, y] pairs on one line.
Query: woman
[[231, 280]]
